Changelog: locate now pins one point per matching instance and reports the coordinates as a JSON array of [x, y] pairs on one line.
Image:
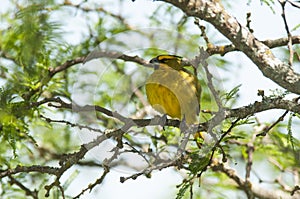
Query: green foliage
[[28, 43], [34, 42], [231, 96], [290, 132], [30, 36], [13, 119], [183, 189], [198, 162], [296, 27], [286, 154]]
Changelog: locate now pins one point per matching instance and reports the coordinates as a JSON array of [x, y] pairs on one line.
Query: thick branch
[[243, 39], [66, 65], [268, 104], [34, 168], [241, 112], [271, 43], [58, 103]]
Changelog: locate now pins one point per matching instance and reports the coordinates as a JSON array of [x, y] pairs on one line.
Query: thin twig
[[106, 166], [83, 8], [250, 151], [248, 22], [75, 157], [28, 192], [149, 170], [290, 42], [203, 33], [267, 129], [49, 120], [217, 144], [97, 182], [211, 86]]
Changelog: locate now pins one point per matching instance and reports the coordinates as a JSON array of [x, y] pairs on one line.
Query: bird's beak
[[155, 63], [154, 60]]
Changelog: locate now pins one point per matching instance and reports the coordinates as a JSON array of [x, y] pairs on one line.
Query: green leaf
[[183, 188], [231, 95]]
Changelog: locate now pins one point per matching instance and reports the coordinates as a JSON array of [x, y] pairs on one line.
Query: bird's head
[[172, 61]]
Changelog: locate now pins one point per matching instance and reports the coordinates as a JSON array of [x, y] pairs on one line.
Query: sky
[[245, 72]]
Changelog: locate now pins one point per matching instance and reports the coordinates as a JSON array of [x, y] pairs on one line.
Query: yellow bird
[[173, 90]]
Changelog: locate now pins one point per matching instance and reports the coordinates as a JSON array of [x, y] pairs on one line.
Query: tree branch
[[28, 192], [271, 43], [116, 55], [28, 169], [214, 13], [267, 104], [290, 47], [241, 112], [66, 65], [255, 189], [58, 103]]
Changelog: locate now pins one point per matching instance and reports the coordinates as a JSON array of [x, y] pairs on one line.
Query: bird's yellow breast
[[174, 93], [163, 100]]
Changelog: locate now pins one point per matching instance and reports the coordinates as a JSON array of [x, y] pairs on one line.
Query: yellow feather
[[173, 91]]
